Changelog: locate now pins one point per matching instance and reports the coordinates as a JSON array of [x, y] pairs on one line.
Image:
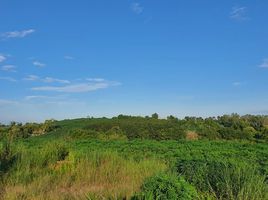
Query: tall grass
[[54, 172], [7, 158], [56, 168], [225, 180]]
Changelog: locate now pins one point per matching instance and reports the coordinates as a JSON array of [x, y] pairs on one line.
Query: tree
[[172, 118], [155, 116]]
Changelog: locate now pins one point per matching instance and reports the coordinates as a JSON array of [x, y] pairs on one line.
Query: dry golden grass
[[191, 135]]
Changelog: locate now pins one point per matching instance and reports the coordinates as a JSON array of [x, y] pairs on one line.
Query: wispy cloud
[[68, 57], [34, 97], [95, 79], [4, 102], [137, 8], [79, 87], [53, 80], [39, 64], [237, 83], [8, 79], [239, 13], [31, 78], [46, 79], [264, 63], [75, 88], [2, 58], [17, 34], [9, 68]]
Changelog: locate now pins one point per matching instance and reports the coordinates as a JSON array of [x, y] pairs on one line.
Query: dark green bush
[[7, 157], [164, 187]]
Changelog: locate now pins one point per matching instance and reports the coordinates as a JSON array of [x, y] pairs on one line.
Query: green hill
[[129, 157]]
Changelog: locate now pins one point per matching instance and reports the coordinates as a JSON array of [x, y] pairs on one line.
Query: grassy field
[[65, 165]]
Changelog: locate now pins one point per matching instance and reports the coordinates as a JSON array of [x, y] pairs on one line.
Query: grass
[[225, 180], [64, 166], [54, 172]]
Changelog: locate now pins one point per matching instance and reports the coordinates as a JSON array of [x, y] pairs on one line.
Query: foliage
[[166, 186], [100, 158], [18, 130], [226, 127], [7, 157]]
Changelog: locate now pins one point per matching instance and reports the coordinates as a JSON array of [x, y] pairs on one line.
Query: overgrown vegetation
[[18, 130], [54, 172], [136, 158], [228, 127], [166, 186], [224, 179]]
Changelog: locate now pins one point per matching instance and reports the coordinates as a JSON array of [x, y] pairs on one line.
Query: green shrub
[[7, 157], [164, 187], [54, 152]]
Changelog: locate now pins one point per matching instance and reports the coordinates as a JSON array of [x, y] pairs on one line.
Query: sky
[[70, 59]]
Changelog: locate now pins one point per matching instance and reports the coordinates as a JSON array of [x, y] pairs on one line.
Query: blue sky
[[68, 59]]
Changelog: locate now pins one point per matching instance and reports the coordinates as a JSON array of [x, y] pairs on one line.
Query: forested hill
[[227, 127]]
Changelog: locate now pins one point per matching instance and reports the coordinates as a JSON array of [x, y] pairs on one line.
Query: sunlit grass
[[48, 167], [47, 174]]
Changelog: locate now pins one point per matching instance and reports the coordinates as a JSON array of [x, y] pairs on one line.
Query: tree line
[[228, 127]]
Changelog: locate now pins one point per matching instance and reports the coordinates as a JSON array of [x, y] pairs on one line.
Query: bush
[[7, 157], [164, 187], [55, 151]]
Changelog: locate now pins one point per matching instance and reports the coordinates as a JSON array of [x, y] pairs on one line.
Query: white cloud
[[68, 57], [38, 64], [2, 58], [33, 97], [52, 80], [17, 34], [239, 13], [95, 79], [137, 8], [31, 78], [8, 79], [264, 63], [46, 79], [9, 68], [78, 88]]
